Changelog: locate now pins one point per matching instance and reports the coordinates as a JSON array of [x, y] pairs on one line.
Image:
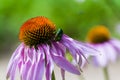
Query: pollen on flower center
[[98, 34], [36, 31]]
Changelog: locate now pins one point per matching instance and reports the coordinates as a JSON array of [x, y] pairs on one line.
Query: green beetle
[[58, 35]]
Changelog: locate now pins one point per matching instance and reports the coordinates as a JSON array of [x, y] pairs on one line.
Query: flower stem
[[106, 75], [53, 75]]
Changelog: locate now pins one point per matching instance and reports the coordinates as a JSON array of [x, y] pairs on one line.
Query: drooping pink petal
[[100, 60], [71, 49], [31, 72], [17, 51], [30, 54], [49, 70], [59, 48], [74, 47], [25, 69], [49, 63], [45, 50], [86, 49], [30, 75], [116, 44], [39, 69], [11, 74], [110, 52], [13, 62], [64, 64]]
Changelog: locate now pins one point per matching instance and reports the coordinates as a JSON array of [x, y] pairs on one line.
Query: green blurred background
[[75, 17]]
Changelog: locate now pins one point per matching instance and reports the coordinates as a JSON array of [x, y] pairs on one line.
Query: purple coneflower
[[99, 38], [41, 47]]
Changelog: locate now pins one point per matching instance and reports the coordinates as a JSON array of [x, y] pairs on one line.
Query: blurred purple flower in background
[[99, 38], [41, 47]]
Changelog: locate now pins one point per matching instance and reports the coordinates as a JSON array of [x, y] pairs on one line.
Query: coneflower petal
[[40, 69], [24, 69], [31, 72], [101, 60], [110, 51], [116, 44], [49, 70], [64, 64], [13, 62]]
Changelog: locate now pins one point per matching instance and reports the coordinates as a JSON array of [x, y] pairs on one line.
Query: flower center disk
[[98, 34], [36, 31]]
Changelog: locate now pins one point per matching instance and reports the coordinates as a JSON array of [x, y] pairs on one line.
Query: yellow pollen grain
[[36, 31], [98, 34]]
